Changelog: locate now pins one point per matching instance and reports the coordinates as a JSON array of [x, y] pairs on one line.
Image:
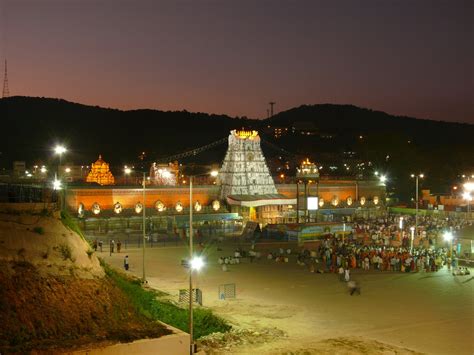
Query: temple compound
[[100, 173], [245, 180], [244, 190]]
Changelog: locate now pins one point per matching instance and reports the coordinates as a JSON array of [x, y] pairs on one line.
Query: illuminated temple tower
[[100, 173], [244, 170]]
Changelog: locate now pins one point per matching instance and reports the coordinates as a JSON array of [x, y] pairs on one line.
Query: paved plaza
[[424, 312]]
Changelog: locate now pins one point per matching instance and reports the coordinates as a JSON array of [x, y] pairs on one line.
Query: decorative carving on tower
[[244, 170], [100, 173]]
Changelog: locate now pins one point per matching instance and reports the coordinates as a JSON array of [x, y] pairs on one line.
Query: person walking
[[347, 276], [119, 246], [125, 263], [100, 245], [112, 245], [353, 287]]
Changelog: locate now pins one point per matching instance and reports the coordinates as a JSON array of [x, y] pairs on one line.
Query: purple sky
[[404, 57]]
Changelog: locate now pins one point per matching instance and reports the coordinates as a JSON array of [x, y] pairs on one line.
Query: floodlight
[[57, 184], [469, 186], [448, 236], [60, 149], [197, 263]]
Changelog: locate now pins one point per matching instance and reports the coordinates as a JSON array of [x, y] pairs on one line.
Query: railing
[[423, 212], [27, 193]]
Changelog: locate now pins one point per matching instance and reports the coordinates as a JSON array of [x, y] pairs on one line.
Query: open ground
[[408, 312]]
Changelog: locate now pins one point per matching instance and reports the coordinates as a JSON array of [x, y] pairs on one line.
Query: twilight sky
[[411, 57]]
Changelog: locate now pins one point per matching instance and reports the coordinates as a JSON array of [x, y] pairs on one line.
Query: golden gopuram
[[100, 173]]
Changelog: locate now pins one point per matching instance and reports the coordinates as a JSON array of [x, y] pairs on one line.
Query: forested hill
[[325, 132], [31, 125]]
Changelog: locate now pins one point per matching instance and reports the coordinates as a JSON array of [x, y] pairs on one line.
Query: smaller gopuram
[[100, 173]]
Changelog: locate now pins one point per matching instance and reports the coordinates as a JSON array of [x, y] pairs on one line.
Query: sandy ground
[[20, 242], [396, 313]]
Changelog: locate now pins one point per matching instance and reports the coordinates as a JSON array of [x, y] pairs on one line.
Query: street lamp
[[467, 195], [56, 184], [383, 179], [412, 229], [144, 226], [448, 237], [59, 150], [197, 264], [416, 177], [127, 172]]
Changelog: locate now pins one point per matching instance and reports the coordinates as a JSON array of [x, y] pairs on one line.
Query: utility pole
[[144, 227], [191, 340], [271, 103], [6, 91]]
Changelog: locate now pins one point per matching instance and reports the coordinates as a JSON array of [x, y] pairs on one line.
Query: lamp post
[[59, 150], [468, 189], [400, 225], [144, 226], [194, 263], [448, 236], [416, 177], [412, 230], [127, 171]]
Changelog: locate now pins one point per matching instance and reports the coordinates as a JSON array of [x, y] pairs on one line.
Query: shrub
[[89, 252], [146, 302], [38, 230], [71, 223]]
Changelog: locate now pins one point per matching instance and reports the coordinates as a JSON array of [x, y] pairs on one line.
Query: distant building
[[100, 173], [19, 168], [305, 128]]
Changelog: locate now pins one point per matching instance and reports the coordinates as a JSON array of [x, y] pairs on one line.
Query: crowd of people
[[384, 244]]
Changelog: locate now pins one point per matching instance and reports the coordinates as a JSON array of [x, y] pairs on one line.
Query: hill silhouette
[[327, 133]]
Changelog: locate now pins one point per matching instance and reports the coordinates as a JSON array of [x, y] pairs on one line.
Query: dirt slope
[[54, 296]]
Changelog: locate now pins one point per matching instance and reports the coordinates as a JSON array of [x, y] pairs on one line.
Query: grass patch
[[146, 303], [39, 230], [71, 223]]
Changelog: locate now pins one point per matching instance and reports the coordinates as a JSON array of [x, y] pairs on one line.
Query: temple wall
[[107, 197], [339, 188]]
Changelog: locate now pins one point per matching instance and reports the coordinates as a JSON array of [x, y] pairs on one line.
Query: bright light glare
[[422, 175], [467, 196], [469, 186], [383, 178], [197, 263], [127, 170], [214, 173], [448, 236], [43, 169], [67, 170], [59, 149], [57, 184], [166, 174]]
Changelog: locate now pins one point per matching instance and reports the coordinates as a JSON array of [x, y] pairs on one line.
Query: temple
[[245, 180], [100, 173]]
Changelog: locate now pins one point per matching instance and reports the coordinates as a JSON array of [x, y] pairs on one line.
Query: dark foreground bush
[[205, 322]]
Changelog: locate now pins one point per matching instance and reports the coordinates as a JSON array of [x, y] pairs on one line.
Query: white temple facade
[[244, 170]]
